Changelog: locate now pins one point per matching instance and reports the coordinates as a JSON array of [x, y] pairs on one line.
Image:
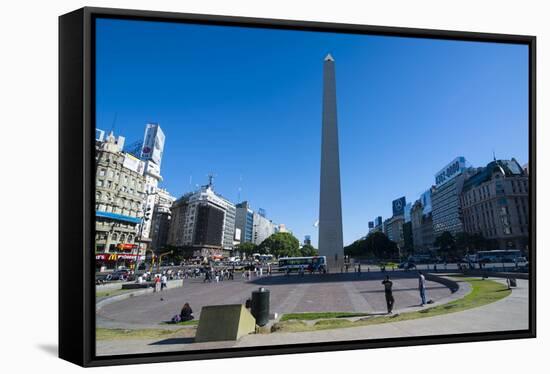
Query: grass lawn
[[483, 292], [184, 323], [121, 334]]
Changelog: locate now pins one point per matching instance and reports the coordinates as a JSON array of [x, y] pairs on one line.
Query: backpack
[[176, 318]]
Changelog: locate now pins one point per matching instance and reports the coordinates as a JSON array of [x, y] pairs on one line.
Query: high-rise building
[[307, 240], [203, 223], [331, 242], [244, 222], [160, 223], [422, 224], [446, 208], [495, 204]]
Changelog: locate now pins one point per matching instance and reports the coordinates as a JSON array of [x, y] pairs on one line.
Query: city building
[[262, 228], [495, 204], [119, 203], [307, 240], [244, 222], [160, 223], [203, 223], [394, 231], [422, 224], [446, 208]]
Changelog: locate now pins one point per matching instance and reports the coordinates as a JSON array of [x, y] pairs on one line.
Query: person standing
[[163, 282], [422, 287], [388, 284]]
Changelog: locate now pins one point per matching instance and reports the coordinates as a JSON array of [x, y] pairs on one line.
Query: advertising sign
[[450, 171], [398, 206], [152, 169], [153, 143], [133, 163]]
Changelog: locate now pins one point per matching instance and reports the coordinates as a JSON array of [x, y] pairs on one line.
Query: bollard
[[259, 306]]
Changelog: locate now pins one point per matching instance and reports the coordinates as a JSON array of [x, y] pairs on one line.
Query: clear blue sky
[[245, 104]]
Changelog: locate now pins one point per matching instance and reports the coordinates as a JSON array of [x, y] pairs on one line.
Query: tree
[[469, 243], [281, 244], [381, 246], [247, 249], [375, 245], [308, 250], [446, 244]]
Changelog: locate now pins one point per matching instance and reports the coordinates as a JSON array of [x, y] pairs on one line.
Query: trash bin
[[513, 282], [260, 306]]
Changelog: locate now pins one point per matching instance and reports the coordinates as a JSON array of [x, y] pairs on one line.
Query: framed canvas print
[[237, 186]]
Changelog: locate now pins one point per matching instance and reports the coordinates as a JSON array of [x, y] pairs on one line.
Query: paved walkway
[[510, 313]]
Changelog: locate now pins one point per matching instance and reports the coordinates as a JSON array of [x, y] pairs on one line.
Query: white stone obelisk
[[331, 243]]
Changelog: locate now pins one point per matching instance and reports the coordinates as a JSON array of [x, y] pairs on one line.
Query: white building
[[262, 228]]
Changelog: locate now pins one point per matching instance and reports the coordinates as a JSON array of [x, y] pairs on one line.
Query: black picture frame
[[76, 190]]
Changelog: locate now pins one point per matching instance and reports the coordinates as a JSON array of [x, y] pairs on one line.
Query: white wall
[[28, 84]]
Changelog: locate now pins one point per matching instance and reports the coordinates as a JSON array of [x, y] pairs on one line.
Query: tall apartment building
[[446, 208], [244, 222], [422, 226], [203, 222], [161, 217], [495, 203]]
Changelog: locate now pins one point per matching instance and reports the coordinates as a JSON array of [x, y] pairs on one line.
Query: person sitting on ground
[[186, 313]]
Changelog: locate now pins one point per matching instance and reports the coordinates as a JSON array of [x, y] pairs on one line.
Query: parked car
[[407, 265]]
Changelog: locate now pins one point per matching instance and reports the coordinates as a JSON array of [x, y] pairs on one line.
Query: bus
[[314, 263], [508, 255]]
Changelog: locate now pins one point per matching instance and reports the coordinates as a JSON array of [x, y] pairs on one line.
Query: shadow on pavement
[[174, 341], [328, 278]]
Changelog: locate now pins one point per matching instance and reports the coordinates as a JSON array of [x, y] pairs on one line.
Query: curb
[[109, 300]]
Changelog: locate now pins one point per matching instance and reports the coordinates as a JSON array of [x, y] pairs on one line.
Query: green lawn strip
[[125, 334], [183, 323], [320, 315], [482, 292]]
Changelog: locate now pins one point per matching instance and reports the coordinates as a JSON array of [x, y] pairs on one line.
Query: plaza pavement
[[510, 313], [348, 292]]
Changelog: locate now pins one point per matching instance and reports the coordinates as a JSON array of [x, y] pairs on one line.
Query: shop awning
[[117, 217]]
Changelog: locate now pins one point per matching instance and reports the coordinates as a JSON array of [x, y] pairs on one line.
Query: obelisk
[[331, 243]]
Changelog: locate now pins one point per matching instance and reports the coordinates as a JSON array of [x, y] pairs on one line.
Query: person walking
[[163, 282], [388, 284], [157, 283], [422, 287]]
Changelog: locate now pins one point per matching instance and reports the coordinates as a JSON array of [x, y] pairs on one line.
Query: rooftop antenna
[[210, 179], [494, 157], [239, 190]]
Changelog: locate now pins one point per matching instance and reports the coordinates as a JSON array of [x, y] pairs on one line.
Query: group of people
[[388, 291], [218, 275]]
